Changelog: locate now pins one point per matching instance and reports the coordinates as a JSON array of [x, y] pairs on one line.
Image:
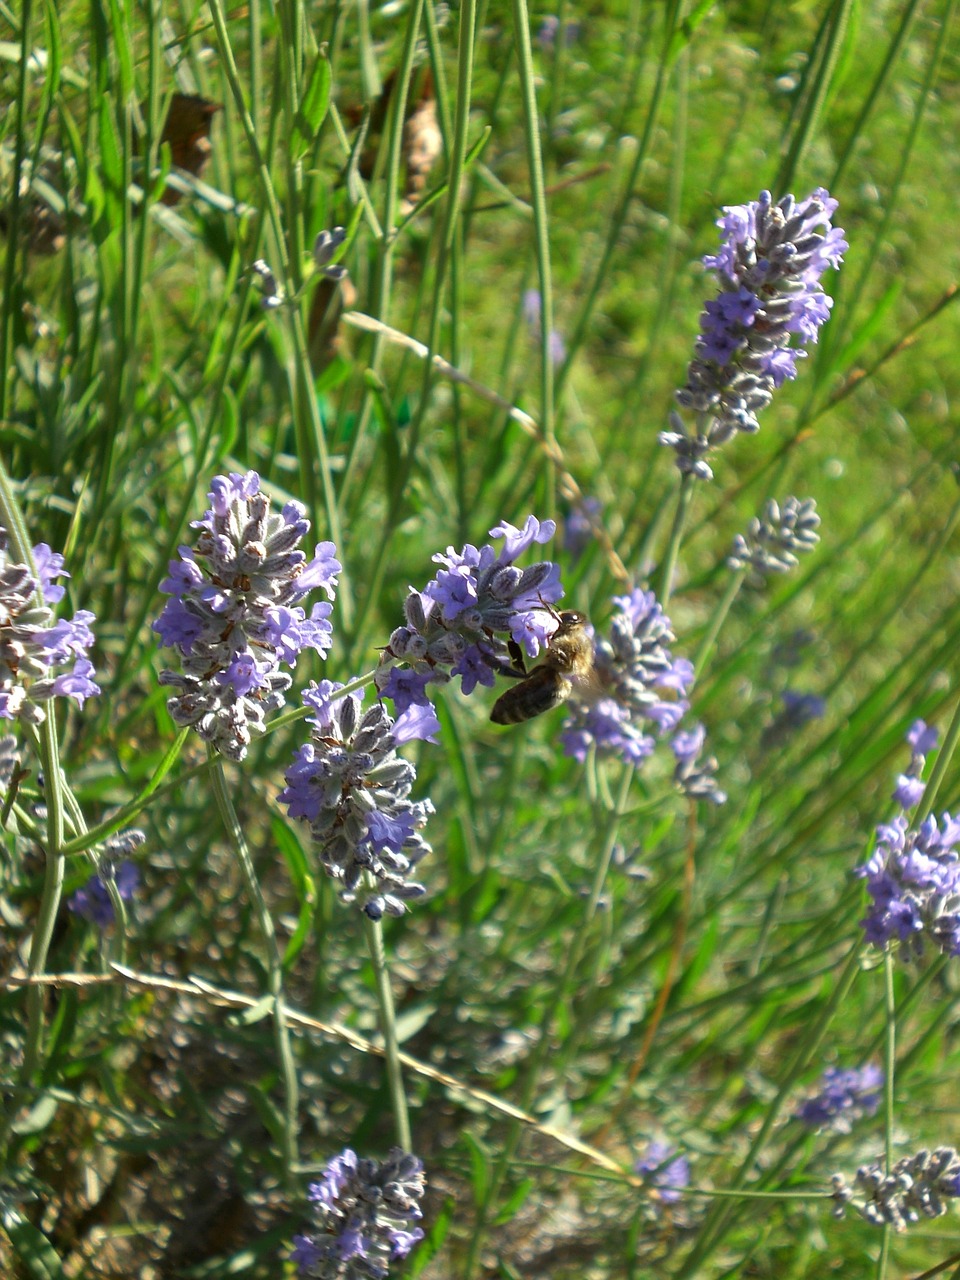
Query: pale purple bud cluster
[[93, 901], [913, 875], [669, 1175], [844, 1098], [271, 291], [798, 709], [694, 774], [774, 539], [325, 249], [353, 789], [33, 644], [917, 1186], [235, 616], [365, 1217], [641, 685], [457, 624], [913, 879], [910, 785], [769, 267]]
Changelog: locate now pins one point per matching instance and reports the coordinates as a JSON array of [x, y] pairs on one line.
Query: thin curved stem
[[388, 1029]]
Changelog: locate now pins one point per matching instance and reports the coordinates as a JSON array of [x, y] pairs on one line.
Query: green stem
[[890, 1063], [10, 291], [388, 1029], [288, 1069], [538, 199], [669, 566], [717, 621]]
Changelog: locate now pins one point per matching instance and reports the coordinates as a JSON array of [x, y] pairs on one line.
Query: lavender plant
[[365, 1217], [769, 269], [662, 1168], [917, 1186], [844, 1098], [773, 541], [33, 645], [696, 988], [913, 875], [234, 615], [457, 624], [353, 789]]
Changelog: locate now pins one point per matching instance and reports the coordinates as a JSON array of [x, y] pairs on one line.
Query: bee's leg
[[516, 653], [505, 669]]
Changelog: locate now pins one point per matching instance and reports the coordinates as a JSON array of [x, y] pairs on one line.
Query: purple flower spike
[[235, 612], [93, 900], [844, 1098], [913, 879], [669, 1176], [918, 1186], [364, 1214], [639, 685], [33, 644], [461, 622], [769, 268], [353, 789]]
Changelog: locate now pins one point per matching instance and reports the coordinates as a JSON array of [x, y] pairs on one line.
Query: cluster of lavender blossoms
[[844, 1098], [913, 874], [33, 645], [774, 539], [917, 1186], [234, 614], [669, 1175], [325, 248], [353, 789], [93, 901], [366, 1215], [641, 685], [769, 267], [457, 624]]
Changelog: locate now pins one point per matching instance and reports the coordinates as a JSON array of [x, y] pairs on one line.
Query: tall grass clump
[[368, 368]]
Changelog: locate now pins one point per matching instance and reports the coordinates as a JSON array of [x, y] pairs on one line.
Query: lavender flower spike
[[640, 684], [235, 615], [769, 268], [773, 540], [352, 788], [365, 1216], [913, 879], [669, 1176], [93, 901], [33, 645], [692, 775], [917, 1186], [844, 1098], [457, 625]]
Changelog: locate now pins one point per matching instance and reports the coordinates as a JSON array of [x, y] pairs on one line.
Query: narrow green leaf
[[313, 106], [32, 1247], [111, 159]]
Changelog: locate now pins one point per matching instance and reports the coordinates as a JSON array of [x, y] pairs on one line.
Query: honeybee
[[567, 663]]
